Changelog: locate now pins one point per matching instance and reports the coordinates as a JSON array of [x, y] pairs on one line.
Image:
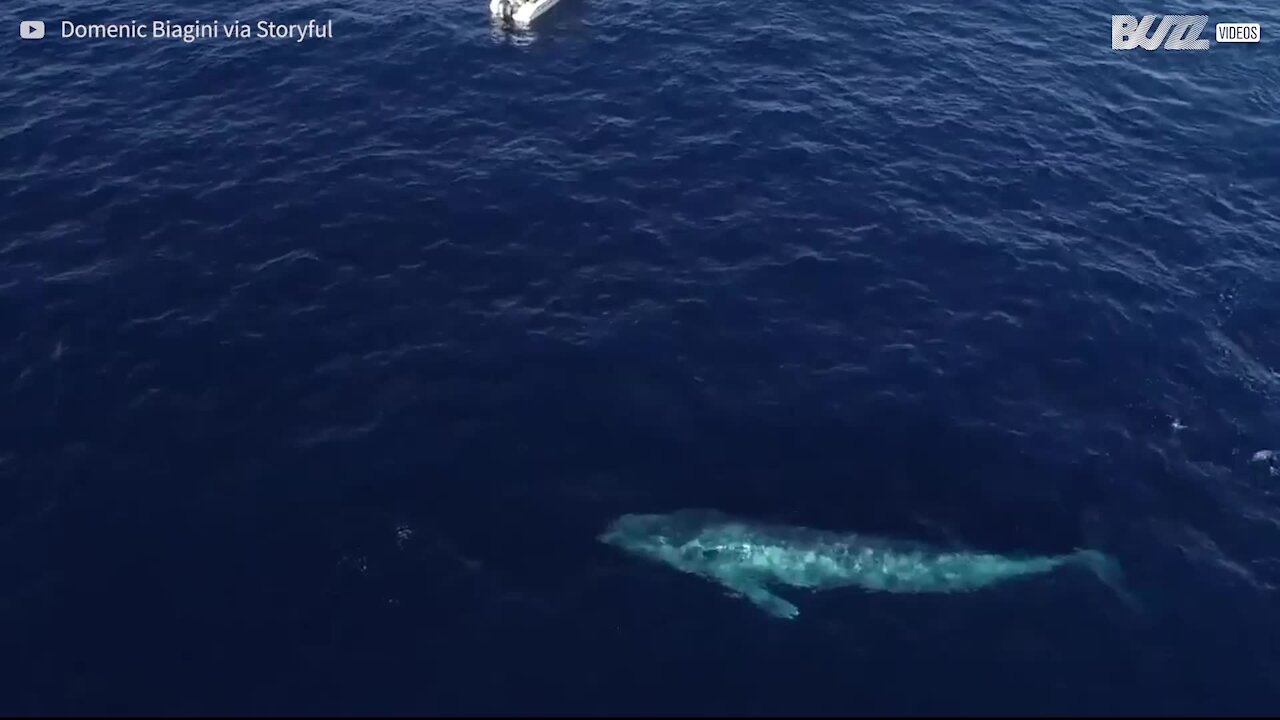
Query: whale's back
[[871, 563]]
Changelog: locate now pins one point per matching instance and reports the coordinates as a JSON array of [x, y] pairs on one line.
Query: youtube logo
[[31, 29]]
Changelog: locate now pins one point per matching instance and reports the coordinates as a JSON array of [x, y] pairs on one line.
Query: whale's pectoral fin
[[764, 599]]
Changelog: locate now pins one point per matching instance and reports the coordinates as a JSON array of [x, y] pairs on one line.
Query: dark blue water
[[323, 364]]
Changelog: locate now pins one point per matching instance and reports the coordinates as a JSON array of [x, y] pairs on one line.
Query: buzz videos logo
[[1176, 32]]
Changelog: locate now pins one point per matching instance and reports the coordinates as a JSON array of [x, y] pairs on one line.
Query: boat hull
[[525, 11]]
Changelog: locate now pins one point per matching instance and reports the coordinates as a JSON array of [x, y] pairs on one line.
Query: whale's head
[[659, 536], [639, 533]]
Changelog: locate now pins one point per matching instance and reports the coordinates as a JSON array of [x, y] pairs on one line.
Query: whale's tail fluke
[[1109, 572]]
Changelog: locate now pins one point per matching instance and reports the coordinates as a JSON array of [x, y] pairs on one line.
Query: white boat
[[519, 12]]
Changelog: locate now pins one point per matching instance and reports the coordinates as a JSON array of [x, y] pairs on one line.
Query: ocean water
[[322, 364]]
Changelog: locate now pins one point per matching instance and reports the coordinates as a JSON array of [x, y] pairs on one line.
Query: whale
[[753, 560]]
